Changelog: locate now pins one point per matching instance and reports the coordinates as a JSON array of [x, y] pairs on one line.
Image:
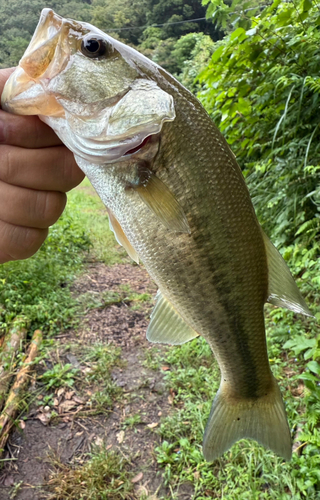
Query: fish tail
[[263, 419]]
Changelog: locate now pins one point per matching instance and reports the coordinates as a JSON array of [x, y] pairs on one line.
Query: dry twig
[[15, 395], [12, 343]]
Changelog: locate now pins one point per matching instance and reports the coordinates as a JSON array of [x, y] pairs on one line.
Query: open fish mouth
[[23, 96], [45, 57], [42, 48], [54, 42]]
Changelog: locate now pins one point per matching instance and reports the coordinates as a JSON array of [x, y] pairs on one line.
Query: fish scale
[[201, 279], [177, 201]]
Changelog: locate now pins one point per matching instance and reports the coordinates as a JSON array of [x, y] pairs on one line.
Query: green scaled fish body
[[177, 200]]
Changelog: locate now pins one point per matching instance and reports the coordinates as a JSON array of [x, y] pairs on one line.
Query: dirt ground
[[30, 451]]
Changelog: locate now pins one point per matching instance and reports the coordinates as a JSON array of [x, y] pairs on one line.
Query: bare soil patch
[[118, 323], [31, 451]]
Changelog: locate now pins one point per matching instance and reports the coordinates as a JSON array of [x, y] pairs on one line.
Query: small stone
[[120, 437]]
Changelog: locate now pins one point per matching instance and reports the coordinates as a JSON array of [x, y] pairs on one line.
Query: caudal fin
[[263, 419]]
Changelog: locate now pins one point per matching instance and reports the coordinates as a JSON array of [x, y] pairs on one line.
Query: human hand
[[36, 171]]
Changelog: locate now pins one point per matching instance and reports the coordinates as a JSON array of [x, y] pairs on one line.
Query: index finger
[[24, 131]]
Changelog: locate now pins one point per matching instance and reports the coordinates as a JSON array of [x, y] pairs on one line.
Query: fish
[[177, 202]]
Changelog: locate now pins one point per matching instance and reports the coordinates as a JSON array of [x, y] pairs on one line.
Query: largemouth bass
[[177, 201]]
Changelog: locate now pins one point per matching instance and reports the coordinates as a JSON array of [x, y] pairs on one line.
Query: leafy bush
[[262, 90]]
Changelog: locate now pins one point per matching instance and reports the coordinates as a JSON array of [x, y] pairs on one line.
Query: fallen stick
[[11, 345], [15, 395]]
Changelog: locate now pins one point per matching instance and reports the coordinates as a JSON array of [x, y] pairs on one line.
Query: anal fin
[[167, 326], [121, 237], [282, 291]]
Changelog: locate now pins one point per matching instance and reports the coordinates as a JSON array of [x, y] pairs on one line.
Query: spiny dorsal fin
[[282, 291], [167, 326], [162, 202], [121, 237]]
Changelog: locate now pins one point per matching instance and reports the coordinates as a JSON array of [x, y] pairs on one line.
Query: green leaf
[[244, 106], [314, 367], [307, 5], [299, 344], [237, 33], [251, 32], [217, 54]]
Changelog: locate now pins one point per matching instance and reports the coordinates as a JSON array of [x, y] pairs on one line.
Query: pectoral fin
[[283, 291], [121, 237], [167, 326], [162, 202]]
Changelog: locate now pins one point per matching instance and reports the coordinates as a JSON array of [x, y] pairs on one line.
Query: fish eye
[[93, 47]]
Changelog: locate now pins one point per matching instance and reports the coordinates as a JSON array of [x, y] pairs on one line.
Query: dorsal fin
[[282, 290], [121, 237], [167, 326]]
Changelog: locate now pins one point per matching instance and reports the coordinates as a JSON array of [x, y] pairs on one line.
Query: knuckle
[[71, 173], [30, 241], [17, 242], [6, 165], [4, 257], [48, 207]]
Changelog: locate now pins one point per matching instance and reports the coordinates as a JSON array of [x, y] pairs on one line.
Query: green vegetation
[[104, 476], [95, 300], [39, 288], [262, 90], [90, 213], [101, 359], [59, 376], [260, 83], [247, 471], [132, 421], [159, 29]]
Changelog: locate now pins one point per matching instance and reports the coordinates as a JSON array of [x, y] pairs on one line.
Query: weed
[[95, 300], [59, 375], [101, 359], [102, 400], [15, 490], [132, 421], [152, 358], [46, 400], [247, 471], [104, 476], [39, 287]]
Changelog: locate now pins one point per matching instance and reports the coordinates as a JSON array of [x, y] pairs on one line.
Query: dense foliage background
[[255, 65], [262, 90], [152, 26]]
